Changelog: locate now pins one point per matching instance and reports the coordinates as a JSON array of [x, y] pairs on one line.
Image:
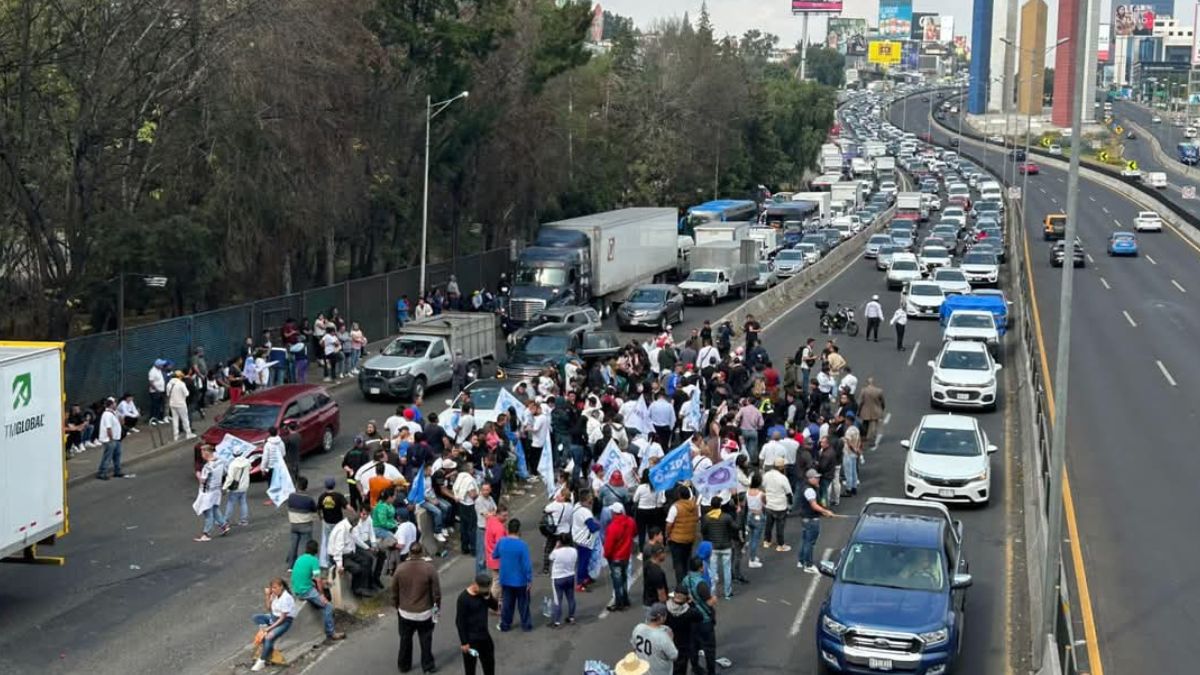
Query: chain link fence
[[109, 364]]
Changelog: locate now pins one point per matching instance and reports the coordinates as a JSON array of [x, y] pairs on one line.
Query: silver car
[[875, 243], [767, 277]]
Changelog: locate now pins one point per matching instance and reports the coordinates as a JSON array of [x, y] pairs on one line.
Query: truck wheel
[[327, 440], [712, 299], [742, 292], [418, 390]]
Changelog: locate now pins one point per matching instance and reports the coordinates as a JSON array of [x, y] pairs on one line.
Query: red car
[[1028, 168], [309, 406]]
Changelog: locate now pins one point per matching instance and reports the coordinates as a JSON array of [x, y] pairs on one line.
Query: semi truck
[[422, 355], [34, 458], [721, 269], [594, 260]]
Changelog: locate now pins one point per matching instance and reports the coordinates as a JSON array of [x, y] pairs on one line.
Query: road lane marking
[[808, 597], [1105, 210], [1091, 198], [1129, 319], [1105, 282], [1091, 260], [1081, 580], [1152, 262], [1116, 222], [1042, 189], [913, 355], [1166, 373], [1181, 288], [879, 432]]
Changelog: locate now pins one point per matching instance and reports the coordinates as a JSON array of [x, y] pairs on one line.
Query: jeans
[[235, 498], [355, 355], [158, 405], [850, 470], [679, 559], [583, 561], [777, 519], [805, 373], [437, 511], [300, 536], [480, 553], [214, 516], [812, 528], [301, 371], [756, 523], [268, 643], [424, 631], [112, 454], [619, 571], [750, 440], [722, 565], [518, 597], [581, 468], [314, 598], [564, 591]]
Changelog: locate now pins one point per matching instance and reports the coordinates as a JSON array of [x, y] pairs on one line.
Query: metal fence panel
[[405, 282], [162, 340], [221, 332], [93, 368], [270, 314], [321, 300], [369, 306]]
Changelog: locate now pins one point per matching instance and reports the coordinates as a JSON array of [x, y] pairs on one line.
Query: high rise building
[[981, 58], [1064, 63], [1032, 57]]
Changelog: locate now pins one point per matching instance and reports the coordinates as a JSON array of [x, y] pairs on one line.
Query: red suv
[[309, 406]]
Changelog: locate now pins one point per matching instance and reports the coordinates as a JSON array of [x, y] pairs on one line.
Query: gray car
[[767, 277], [651, 306]]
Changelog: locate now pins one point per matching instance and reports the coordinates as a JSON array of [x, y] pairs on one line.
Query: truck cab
[[550, 276], [898, 598]]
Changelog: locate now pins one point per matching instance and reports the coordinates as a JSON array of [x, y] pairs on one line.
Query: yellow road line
[[1085, 596]]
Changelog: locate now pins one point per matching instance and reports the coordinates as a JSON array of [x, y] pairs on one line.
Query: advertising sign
[[1133, 20], [887, 53], [947, 35], [1103, 44], [848, 36], [911, 55], [895, 19], [925, 27], [816, 6], [1195, 36]]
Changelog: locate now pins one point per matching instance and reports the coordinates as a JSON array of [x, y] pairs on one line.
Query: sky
[[774, 16]]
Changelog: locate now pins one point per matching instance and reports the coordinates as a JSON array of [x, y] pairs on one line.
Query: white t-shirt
[[540, 433], [393, 424], [562, 562], [331, 344], [850, 382], [406, 534], [579, 529], [644, 497], [127, 408], [790, 448], [561, 513], [771, 451], [651, 451], [284, 604], [464, 484]]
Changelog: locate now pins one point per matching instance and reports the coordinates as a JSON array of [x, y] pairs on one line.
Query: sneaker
[[135, 430], [556, 624], [203, 537], [259, 664], [243, 523], [334, 637], [571, 620], [783, 549], [766, 544], [225, 529], [754, 564], [724, 662], [189, 437], [327, 379], [439, 536], [812, 569], [801, 566]]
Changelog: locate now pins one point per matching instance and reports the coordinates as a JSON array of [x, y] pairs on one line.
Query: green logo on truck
[[22, 390]]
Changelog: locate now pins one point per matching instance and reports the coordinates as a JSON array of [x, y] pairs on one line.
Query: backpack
[[548, 525]]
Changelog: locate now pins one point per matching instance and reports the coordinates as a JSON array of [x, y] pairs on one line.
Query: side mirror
[[999, 367], [449, 403], [287, 423], [991, 448], [904, 444], [827, 568], [931, 364], [960, 581]]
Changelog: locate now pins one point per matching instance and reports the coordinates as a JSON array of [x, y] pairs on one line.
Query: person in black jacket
[[683, 619], [471, 619], [718, 527]]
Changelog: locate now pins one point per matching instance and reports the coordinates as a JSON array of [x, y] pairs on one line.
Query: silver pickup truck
[[422, 355]]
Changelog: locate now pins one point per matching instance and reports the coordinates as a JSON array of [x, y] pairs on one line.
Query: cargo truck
[[911, 204], [849, 193], [769, 240], [423, 354], [721, 269], [823, 200], [885, 168], [34, 459], [594, 260], [707, 234]]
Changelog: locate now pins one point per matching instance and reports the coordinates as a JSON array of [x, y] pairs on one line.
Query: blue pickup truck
[[899, 593]]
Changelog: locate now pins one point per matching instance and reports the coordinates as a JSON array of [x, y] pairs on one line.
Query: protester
[[618, 549], [471, 619], [700, 592], [208, 501], [683, 529], [516, 577], [281, 608], [302, 513], [811, 511], [563, 560], [237, 482], [345, 556], [684, 619], [417, 597], [653, 642], [308, 585]]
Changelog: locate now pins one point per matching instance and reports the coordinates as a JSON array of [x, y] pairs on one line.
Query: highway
[[1168, 136], [1132, 362]]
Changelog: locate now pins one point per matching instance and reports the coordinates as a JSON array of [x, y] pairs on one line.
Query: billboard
[[925, 27], [1133, 20], [895, 19], [815, 6], [848, 36], [947, 35], [911, 55], [885, 52], [1195, 34], [1104, 43]]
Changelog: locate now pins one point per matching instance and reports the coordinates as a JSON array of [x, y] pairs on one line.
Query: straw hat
[[631, 665]]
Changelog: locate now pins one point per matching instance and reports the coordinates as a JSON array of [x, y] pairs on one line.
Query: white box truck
[[32, 454], [422, 356], [823, 200], [849, 193], [707, 234], [721, 269]]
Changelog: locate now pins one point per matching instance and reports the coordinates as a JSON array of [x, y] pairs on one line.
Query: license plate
[[962, 397], [879, 664], [374, 391], [947, 494]]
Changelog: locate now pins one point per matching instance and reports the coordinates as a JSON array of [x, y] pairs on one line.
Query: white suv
[[1148, 221], [948, 460], [964, 375], [903, 269]]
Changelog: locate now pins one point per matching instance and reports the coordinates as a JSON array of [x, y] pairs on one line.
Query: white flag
[[506, 400], [720, 476], [224, 449], [610, 459], [546, 470], [281, 485]]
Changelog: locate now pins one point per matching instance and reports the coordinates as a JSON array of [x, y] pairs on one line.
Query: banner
[[1104, 43], [911, 55], [506, 400], [610, 459], [895, 19], [416, 494], [721, 476], [926, 27], [1133, 20], [947, 30], [1195, 36], [816, 6], [884, 53], [848, 36], [675, 466]]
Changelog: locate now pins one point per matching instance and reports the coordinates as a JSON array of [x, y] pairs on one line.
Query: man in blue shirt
[[662, 417], [516, 577]]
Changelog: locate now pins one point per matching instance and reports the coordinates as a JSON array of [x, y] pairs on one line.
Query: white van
[[1189, 132], [1155, 179]]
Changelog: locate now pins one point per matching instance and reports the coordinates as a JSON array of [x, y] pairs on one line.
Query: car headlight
[[939, 381], [833, 627], [982, 476], [935, 637], [403, 371], [499, 373]]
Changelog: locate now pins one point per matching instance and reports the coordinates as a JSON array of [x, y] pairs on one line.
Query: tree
[[825, 65]]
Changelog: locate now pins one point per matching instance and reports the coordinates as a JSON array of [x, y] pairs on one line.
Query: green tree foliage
[[248, 148], [826, 65]]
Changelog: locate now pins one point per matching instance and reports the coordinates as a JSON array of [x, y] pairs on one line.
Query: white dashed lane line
[[1181, 288], [1166, 374], [1129, 319], [1151, 260], [1105, 283]]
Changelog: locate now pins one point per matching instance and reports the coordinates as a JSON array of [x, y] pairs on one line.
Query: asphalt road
[[1132, 362], [768, 626], [1168, 136]]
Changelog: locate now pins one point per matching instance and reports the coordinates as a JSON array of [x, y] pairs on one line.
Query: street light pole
[[431, 110]]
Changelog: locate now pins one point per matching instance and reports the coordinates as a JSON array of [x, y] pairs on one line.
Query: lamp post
[[432, 110]]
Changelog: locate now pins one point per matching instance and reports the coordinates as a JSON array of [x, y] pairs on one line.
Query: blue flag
[[674, 467], [522, 466], [416, 494]]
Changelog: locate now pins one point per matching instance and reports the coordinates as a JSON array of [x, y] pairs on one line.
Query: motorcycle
[[841, 319]]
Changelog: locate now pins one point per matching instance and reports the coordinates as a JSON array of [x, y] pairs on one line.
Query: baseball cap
[[811, 473], [657, 611]]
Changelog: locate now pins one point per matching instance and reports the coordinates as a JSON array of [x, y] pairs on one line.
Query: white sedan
[[903, 269], [964, 375], [952, 280], [1148, 221], [923, 299], [948, 460], [932, 257]]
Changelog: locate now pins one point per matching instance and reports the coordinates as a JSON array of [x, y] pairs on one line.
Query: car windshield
[[806, 247], [879, 239], [926, 290], [960, 320], [953, 442], [904, 266], [703, 277], [933, 252], [542, 276], [949, 275], [483, 395], [410, 347], [887, 249], [892, 566], [648, 296], [544, 344], [790, 256], [601, 340], [250, 416]]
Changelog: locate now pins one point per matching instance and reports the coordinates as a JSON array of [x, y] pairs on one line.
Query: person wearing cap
[[900, 322], [654, 643], [810, 514], [237, 482], [683, 619], [177, 401], [777, 491], [874, 313], [471, 618], [618, 549]]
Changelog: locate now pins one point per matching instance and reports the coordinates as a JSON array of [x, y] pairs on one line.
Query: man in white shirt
[[347, 557], [466, 424], [777, 490], [874, 313], [849, 381], [466, 490], [110, 438], [773, 449], [900, 322], [394, 422], [158, 385], [362, 477], [539, 433], [128, 412], [177, 398], [708, 357]]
